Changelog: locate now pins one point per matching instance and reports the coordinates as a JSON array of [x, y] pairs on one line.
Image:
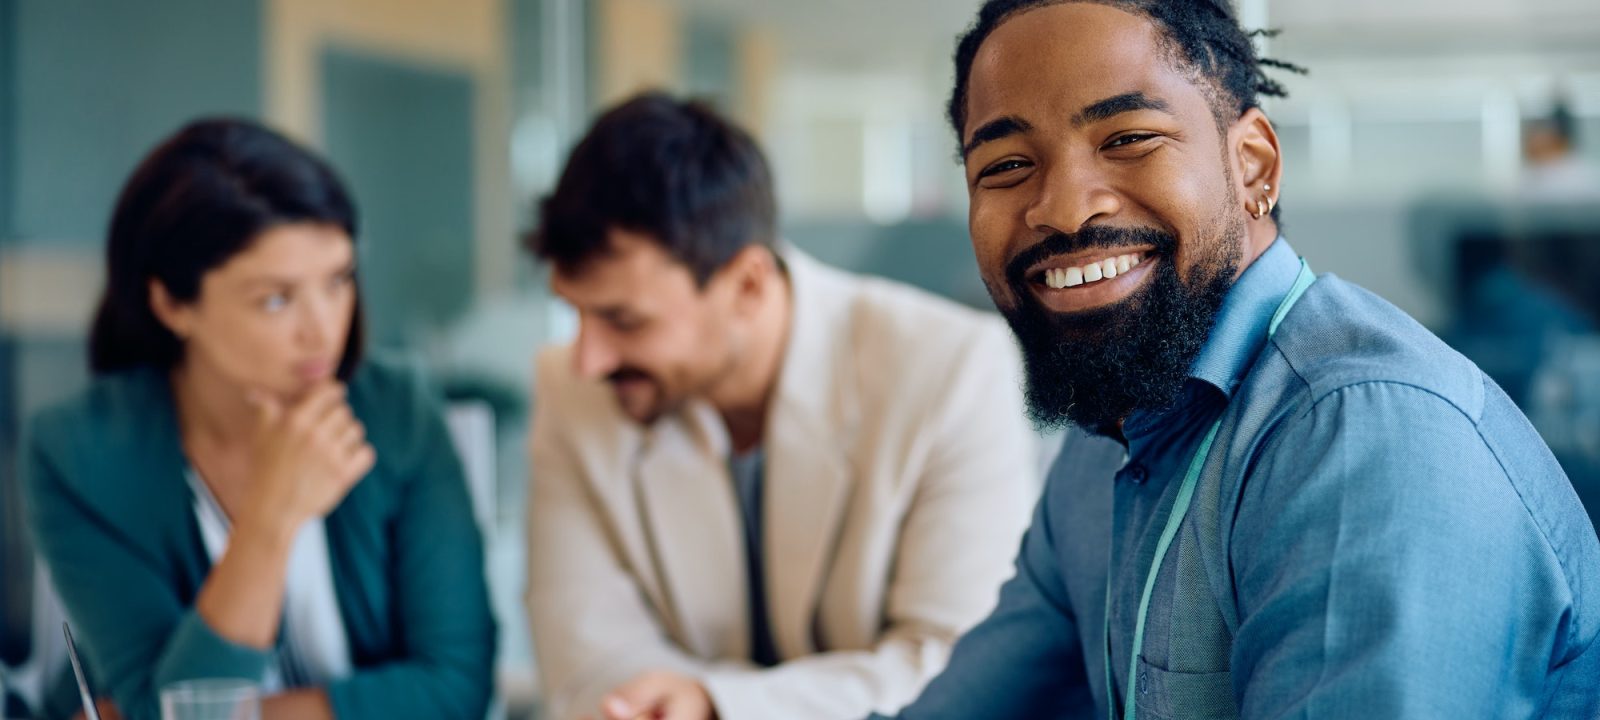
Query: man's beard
[[670, 397], [657, 405], [1095, 367]]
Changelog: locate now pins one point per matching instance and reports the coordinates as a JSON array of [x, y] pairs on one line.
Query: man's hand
[[658, 695]]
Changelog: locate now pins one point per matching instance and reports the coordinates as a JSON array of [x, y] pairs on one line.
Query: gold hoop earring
[[1272, 202], [1260, 210]]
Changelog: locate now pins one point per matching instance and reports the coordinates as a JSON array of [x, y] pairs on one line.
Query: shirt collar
[[1241, 325]]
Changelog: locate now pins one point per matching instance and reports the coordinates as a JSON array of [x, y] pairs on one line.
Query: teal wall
[[8, 48], [402, 136], [86, 88], [710, 50], [95, 84], [524, 35]]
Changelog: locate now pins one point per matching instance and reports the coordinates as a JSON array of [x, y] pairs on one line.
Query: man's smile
[[1089, 279]]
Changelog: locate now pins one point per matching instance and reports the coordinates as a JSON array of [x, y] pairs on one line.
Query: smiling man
[[1285, 497], [764, 489]]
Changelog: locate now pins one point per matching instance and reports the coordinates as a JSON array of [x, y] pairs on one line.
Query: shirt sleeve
[[1387, 566]]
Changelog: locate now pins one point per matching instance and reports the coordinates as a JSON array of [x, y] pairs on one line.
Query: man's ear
[[1257, 162], [752, 271]]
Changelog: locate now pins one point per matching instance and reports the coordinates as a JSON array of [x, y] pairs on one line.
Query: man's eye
[[1002, 167], [1129, 139], [275, 302]]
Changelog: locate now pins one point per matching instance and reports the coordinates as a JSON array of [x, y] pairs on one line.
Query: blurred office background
[[1420, 164]]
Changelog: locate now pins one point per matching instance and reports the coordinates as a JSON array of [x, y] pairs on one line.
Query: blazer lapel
[[808, 477], [690, 517], [156, 497], [808, 488]]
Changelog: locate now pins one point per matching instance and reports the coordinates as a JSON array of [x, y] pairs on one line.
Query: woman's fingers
[[318, 404], [351, 437], [360, 463]]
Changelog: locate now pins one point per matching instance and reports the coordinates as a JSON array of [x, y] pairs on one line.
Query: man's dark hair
[[201, 197], [673, 170], [1204, 34]]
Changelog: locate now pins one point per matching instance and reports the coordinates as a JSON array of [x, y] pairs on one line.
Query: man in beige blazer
[[762, 487]]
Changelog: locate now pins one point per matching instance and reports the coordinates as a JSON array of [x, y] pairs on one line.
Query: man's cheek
[[989, 251]]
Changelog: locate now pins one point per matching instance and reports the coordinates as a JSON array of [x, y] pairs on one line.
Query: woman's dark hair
[[674, 170], [201, 197]]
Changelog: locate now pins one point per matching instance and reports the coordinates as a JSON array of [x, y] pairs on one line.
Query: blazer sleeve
[[955, 547], [1024, 660], [592, 629], [132, 628], [447, 638]]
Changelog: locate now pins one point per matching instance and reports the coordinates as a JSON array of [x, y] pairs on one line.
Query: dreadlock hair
[[1203, 35]]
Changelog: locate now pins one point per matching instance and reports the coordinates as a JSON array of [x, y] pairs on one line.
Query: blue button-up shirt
[[1386, 537]]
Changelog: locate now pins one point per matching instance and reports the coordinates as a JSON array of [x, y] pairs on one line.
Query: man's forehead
[[628, 276], [1058, 58], [600, 282]]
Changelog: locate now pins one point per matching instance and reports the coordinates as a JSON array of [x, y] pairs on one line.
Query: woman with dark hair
[[239, 494]]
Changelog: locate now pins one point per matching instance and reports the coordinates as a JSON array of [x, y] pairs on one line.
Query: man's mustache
[[1092, 237], [627, 374]]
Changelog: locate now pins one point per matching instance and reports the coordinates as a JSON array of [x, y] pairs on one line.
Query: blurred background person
[[1555, 170], [240, 494], [765, 488], [448, 118]]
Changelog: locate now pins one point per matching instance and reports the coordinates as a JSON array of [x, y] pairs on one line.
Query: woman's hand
[[302, 704], [306, 458]]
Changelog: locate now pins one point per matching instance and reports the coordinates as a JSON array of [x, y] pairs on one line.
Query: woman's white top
[[314, 650]]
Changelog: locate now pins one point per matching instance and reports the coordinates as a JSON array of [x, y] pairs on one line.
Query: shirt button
[[1136, 474]]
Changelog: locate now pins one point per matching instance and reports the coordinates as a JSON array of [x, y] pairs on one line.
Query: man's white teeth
[[1106, 269]]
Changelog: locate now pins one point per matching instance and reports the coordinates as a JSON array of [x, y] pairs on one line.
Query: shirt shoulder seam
[[1505, 473]]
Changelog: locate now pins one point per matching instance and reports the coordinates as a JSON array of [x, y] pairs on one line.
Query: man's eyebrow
[[1094, 112], [1118, 104], [615, 312], [995, 130]]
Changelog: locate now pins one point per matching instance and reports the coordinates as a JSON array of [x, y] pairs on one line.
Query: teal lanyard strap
[[1301, 283], [1180, 509]]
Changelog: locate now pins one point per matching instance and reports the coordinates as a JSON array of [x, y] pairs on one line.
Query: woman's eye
[[343, 279], [1002, 167], [1130, 139], [275, 302]]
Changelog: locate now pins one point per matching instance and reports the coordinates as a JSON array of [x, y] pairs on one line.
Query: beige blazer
[[900, 473]]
